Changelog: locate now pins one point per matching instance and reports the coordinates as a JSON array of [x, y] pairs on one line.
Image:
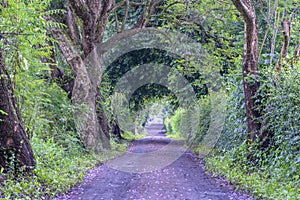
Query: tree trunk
[[116, 131], [105, 136], [286, 26], [77, 44], [14, 146], [297, 51], [57, 75], [250, 65], [86, 24]]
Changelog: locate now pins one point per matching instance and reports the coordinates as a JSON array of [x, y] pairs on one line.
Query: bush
[[264, 181], [56, 171], [270, 171], [235, 129], [190, 124]]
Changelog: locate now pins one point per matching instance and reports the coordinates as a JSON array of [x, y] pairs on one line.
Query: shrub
[[273, 170], [190, 124], [56, 171]]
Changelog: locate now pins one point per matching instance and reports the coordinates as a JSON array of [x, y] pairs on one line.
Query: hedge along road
[[135, 175]]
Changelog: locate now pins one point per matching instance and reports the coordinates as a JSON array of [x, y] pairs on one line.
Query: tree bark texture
[[105, 136], [250, 65], [13, 140], [93, 15]]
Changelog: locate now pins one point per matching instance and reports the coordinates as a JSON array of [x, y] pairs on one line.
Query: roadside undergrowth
[[265, 182], [57, 170]]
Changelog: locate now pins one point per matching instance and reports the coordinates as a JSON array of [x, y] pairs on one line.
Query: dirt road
[[155, 167]]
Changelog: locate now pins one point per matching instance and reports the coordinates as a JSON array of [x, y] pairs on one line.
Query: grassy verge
[[265, 182], [128, 136], [176, 136], [56, 171]]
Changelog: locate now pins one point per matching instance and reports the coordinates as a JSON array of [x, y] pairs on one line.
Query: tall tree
[[13, 141], [250, 65], [93, 15], [22, 45], [86, 23]]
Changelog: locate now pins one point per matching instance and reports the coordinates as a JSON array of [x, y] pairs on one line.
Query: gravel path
[[155, 167]]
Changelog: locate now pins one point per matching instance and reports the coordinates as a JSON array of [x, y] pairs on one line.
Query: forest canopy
[[80, 79]]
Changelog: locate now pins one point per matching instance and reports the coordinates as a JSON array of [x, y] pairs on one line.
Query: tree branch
[[245, 8], [286, 26], [106, 46], [69, 51], [117, 21], [297, 51], [150, 7], [72, 25], [142, 21], [125, 15], [81, 9], [136, 4], [263, 42], [116, 6], [273, 40], [102, 21]]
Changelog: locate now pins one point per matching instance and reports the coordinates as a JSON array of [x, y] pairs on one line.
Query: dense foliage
[[47, 112], [278, 163], [267, 167], [217, 128]]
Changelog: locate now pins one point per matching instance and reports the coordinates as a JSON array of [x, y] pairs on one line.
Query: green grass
[[176, 136], [56, 171], [263, 182], [130, 136]]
